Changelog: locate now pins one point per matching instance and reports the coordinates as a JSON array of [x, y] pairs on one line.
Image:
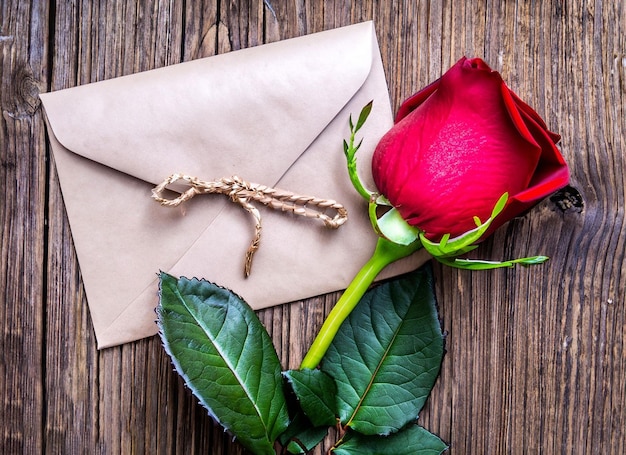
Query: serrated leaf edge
[[230, 367]]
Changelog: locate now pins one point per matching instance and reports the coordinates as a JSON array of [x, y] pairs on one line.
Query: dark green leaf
[[413, 440], [301, 436], [387, 354], [316, 393], [221, 349], [365, 112]]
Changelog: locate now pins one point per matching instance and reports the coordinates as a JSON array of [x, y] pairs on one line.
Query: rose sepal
[[392, 226], [477, 264], [450, 248], [447, 250]]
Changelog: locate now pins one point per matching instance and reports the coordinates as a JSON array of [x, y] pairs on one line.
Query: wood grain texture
[[535, 357]]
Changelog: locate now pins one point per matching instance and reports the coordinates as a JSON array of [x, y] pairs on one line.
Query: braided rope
[[242, 193]]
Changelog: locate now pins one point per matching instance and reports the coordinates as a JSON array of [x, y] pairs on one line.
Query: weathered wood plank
[[23, 72], [72, 396]]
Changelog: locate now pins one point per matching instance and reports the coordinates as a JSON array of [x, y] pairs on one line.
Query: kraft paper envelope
[[275, 115]]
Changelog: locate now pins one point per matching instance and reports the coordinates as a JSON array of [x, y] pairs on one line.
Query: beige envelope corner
[[276, 115]]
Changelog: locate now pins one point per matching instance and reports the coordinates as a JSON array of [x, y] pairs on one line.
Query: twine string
[[242, 193]]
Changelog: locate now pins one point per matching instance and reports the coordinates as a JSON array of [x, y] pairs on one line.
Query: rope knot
[[242, 193]]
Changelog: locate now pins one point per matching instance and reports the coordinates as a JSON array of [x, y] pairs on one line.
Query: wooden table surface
[[535, 357]]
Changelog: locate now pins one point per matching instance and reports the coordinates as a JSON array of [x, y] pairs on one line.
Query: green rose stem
[[385, 253]]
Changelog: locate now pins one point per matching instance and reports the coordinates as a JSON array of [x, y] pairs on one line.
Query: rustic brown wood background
[[535, 357]]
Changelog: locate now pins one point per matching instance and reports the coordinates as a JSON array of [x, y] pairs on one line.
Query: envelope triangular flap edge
[[173, 119]]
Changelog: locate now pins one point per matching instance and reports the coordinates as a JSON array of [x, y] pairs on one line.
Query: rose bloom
[[458, 145]]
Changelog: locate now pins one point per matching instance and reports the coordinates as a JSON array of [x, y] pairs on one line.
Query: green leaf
[[413, 440], [386, 356], [316, 393], [226, 357], [301, 436], [365, 112]]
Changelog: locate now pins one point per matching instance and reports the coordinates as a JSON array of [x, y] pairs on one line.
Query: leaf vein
[[223, 355]]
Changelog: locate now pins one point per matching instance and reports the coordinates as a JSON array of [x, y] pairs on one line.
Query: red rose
[[458, 145]]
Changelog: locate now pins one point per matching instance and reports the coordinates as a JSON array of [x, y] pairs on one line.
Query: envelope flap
[[204, 117]]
